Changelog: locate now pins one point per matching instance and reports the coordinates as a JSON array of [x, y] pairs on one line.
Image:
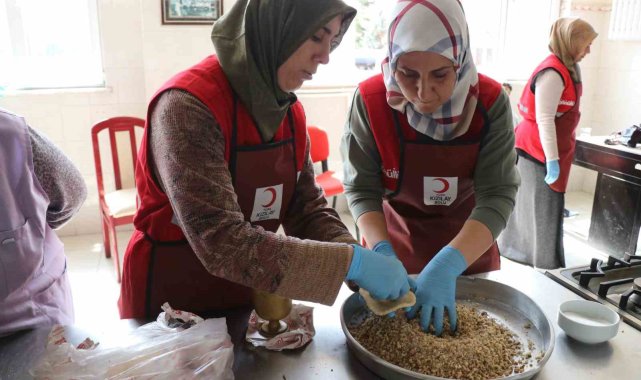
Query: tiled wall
[[66, 117]]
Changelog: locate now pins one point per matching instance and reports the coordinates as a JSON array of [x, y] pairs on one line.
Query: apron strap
[[234, 139], [401, 143]]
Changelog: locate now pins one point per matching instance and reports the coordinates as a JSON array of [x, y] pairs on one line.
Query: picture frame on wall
[[191, 12]]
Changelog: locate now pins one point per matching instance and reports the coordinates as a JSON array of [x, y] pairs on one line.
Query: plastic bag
[[178, 345], [300, 330]]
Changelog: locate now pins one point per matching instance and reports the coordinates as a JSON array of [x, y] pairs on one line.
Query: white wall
[[168, 49], [612, 84], [139, 54], [66, 117]]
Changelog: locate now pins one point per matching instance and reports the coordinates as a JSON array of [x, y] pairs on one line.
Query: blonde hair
[[567, 37]]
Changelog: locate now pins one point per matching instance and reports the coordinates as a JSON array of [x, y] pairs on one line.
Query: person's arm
[[309, 216], [473, 240], [362, 174], [187, 150], [496, 182], [373, 227], [59, 178], [548, 90]]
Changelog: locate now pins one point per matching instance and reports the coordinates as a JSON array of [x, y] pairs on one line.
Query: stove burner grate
[[606, 285], [598, 269], [626, 297]]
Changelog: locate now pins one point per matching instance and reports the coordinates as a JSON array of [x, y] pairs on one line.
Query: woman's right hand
[[384, 277]]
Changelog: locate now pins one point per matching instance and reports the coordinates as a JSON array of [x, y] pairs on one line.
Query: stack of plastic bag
[[178, 345]]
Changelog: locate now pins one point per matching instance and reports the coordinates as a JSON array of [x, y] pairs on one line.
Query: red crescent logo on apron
[[446, 185], [273, 193], [267, 203]]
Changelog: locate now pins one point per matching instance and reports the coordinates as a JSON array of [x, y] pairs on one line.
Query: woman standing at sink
[[545, 142]]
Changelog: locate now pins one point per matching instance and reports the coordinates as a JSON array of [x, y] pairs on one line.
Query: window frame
[[94, 78]]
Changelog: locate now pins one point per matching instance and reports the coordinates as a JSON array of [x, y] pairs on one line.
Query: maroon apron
[[264, 178], [433, 199]]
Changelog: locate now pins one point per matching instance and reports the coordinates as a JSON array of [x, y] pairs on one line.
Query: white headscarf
[[436, 26]]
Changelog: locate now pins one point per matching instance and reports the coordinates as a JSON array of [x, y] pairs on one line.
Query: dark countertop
[[599, 141], [327, 356]]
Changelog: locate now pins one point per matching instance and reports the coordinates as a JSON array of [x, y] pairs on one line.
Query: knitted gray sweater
[[59, 178]]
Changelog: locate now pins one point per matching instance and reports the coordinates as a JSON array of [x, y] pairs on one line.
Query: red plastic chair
[[119, 206], [319, 151]]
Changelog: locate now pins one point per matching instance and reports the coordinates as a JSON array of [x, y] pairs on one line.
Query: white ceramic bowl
[[588, 321]]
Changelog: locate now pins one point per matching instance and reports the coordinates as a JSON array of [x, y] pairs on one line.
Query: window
[[49, 44], [508, 37], [363, 47]]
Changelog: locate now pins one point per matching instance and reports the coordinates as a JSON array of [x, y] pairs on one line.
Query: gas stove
[[614, 282]]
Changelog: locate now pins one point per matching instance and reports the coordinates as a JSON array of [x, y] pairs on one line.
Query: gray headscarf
[[255, 37]]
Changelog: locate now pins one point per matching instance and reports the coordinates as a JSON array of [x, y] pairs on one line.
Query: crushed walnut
[[480, 349]]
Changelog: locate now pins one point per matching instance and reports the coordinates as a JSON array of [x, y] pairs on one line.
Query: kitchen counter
[[327, 356], [616, 211], [599, 141]]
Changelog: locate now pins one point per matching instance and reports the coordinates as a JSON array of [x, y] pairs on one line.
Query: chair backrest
[[318, 145], [114, 125]]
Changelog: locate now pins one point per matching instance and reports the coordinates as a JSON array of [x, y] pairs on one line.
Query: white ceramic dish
[[588, 321]]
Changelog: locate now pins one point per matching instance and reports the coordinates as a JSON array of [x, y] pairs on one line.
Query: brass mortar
[[272, 308]]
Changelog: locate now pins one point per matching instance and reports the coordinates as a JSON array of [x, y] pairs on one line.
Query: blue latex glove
[[553, 170], [384, 277], [436, 289], [384, 247]]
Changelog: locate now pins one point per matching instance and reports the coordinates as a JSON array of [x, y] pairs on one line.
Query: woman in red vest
[[545, 142], [429, 152], [225, 161]]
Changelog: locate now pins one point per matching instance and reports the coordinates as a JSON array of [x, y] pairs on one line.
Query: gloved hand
[[384, 277], [553, 170], [385, 247], [436, 289]]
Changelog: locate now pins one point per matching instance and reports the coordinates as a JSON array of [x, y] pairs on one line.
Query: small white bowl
[[588, 321]]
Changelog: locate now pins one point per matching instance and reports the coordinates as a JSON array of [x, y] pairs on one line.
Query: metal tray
[[502, 302]]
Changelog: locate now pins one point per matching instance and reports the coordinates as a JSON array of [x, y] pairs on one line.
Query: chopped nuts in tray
[[480, 349]]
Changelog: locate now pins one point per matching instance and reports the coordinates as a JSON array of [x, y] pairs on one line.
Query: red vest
[[568, 97], [381, 121], [567, 119], [153, 220], [206, 81], [429, 183]]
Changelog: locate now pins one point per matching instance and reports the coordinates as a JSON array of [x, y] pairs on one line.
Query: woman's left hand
[[435, 289], [384, 247], [552, 168]]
